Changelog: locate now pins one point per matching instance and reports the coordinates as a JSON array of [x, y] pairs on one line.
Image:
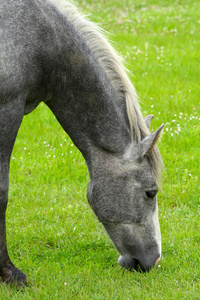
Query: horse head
[[123, 194]]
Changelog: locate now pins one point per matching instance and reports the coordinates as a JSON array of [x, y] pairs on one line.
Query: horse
[[51, 53]]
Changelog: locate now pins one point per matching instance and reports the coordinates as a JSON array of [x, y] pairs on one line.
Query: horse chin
[[128, 262], [132, 264]]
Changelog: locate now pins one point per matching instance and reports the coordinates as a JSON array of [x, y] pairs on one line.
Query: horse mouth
[[128, 263], [133, 264]]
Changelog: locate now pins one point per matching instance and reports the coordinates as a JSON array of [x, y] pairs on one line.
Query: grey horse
[[50, 52]]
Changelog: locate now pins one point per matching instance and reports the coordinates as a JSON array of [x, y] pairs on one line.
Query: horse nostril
[[151, 194]]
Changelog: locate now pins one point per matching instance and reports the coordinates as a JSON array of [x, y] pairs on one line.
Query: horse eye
[[151, 194]]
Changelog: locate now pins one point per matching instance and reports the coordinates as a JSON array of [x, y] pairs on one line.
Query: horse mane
[[95, 38]]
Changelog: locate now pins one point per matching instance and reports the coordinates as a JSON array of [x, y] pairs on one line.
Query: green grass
[[53, 236]]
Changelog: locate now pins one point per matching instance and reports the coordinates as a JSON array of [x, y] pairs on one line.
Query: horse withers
[[49, 52]]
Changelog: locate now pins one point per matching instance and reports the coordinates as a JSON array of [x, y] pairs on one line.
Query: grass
[[53, 236]]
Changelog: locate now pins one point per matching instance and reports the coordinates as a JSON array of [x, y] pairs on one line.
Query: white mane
[[110, 61]]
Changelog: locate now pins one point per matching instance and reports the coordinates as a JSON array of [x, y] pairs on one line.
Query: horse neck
[[88, 107]]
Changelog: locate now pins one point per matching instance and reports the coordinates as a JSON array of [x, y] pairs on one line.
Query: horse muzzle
[[133, 264]]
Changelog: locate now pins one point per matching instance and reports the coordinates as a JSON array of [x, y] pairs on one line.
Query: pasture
[[52, 233]]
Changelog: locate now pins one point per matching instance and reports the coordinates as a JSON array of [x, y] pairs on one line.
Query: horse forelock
[[95, 38]]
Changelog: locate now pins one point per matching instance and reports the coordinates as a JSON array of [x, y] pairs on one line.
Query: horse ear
[[147, 120], [149, 141]]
